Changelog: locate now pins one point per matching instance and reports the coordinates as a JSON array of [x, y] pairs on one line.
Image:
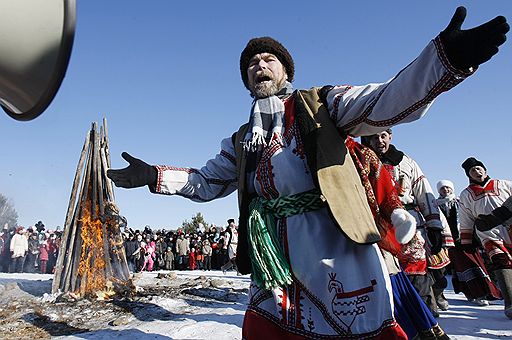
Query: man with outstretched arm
[[306, 232]]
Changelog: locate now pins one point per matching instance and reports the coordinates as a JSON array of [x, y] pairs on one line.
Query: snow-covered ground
[[184, 305]]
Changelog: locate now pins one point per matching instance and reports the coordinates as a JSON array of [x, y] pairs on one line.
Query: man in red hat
[[306, 232]]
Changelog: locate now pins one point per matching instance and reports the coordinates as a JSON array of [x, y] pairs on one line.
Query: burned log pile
[[92, 261]]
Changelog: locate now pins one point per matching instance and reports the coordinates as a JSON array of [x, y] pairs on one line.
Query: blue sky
[[166, 76]]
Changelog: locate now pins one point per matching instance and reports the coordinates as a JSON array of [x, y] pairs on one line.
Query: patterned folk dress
[[330, 294], [339, 289], [482, 199], [469, 273], [410, 311]]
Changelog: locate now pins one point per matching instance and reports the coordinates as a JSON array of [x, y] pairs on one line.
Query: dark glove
[[436, 240], [470, 48], [137, 174], [497, 217]]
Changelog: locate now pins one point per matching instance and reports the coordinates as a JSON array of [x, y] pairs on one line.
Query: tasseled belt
[[270, 269]]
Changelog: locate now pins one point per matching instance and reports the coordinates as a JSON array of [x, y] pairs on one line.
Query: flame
[[107, 293], [92, 258]]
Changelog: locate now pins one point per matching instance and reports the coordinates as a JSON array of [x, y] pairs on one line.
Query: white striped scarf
[[266, 121]]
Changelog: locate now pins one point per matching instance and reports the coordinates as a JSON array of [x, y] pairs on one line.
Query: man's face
[[380, 142], [266, 75], [477, 173], [445, 191]]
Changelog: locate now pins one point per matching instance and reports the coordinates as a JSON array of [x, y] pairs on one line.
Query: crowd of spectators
[[203, 249], [35, 249], [29, 250]]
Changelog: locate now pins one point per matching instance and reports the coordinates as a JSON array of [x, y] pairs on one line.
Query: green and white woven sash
[[270, 269]]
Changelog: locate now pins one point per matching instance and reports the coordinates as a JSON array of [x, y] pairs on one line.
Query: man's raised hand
[[475, 46], [135, 175]]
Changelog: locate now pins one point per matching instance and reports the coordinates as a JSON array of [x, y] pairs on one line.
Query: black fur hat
[[471, 162], [268, 45]]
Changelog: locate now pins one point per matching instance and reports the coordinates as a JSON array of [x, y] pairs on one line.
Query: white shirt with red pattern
[[339, 288], [483, 199]]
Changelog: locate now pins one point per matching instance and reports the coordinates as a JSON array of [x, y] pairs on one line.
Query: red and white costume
[[340, 289], [483, 199]]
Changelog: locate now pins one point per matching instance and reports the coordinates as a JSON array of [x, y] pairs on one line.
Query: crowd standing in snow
[[205, 249], [29, 250], [35, 249]]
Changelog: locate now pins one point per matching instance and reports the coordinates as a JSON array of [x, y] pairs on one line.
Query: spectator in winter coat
[[213, 237], [182, 249], [169, 259], [132, 251], [160, 249], [3, 245], [199, 254], [5, 254], [31, 261], [53, 249], [230, 244], [207, 253], [192, 259], [149, 255], [43, 256], [19, 248], [139, 254]]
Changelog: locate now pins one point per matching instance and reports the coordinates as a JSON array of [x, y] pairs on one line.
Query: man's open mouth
[[261, 79]]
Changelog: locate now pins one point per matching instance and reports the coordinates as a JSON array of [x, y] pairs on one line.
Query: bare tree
[[7, 213]]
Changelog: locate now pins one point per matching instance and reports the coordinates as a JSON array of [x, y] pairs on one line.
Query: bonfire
[[92, 261]]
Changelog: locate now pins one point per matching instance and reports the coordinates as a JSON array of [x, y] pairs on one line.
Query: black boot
[[440, 334], [504, 277], [441, 301]]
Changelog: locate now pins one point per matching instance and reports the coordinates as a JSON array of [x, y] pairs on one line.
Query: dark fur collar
[[392, 156]]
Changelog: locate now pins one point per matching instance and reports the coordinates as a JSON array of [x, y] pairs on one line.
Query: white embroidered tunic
[[339, 288], [476, 200]]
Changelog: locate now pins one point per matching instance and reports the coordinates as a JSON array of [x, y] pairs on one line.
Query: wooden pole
[[78, 241], [108, 182], [107, 142], [99, 176], [93, 172], [67, 224], [73, 280], [66, 276], [106, 148]]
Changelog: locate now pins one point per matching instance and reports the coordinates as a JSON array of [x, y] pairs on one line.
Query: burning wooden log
[[92, 259]]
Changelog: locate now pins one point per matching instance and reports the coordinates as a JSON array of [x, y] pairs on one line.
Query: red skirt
[[257, 327], [470, 275]]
